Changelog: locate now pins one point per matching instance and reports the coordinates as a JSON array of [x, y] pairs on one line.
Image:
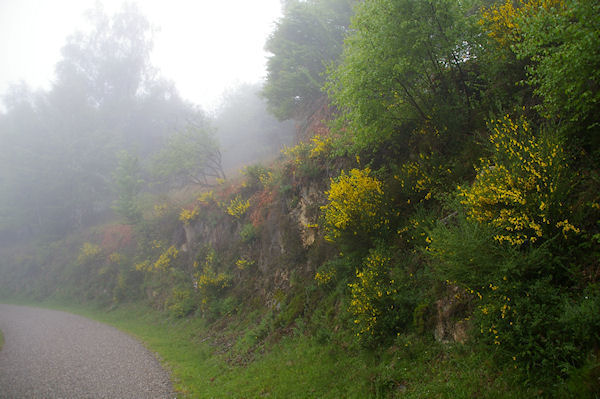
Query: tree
[[108, 70], [247, 132], [308, 37], [190, 156], [110, 65], [128, 183], [561, 40], [59, 146], [405, 64]]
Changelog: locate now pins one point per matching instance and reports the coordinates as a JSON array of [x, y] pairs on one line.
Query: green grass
[[1, 340], [228, 362]]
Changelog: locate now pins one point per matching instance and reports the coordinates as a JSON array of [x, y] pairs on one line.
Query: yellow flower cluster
[[324, 276], [423, 175], [188, 215], [370, 291], [209, 279], [320, 146], [88, 253], [115, 258], [160, 209], [516, 190], [499, 315], [242, 263], [355, 201], [206, 197], [267, 178], [297, 153], [143, 266], [165, 260], [238, 207], [502, 20]]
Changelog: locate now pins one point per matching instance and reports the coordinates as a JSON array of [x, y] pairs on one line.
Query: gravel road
[[51, 354]]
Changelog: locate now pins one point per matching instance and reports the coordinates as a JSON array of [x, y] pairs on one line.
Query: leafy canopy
[[307, 38], [190, 156]]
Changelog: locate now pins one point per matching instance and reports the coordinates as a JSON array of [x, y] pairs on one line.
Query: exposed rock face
[[285, 230], [306, 213], [450, 325]]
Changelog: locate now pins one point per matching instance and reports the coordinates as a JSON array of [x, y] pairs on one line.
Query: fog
[[204, 47], [109, 115]]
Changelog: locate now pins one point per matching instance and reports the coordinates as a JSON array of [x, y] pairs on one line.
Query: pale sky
[[205, 47]]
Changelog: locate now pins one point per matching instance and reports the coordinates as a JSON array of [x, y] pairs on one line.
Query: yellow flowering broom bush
[[89, 253], [355, 205], [522, 189], [208, 282], [503, 21], [238, 207], [381, 305]]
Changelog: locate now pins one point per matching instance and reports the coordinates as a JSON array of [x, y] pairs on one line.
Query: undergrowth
[[246, 357]]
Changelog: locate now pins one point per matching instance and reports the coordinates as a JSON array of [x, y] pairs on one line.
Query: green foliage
[[537, 326], [128, 184], [308, 37], [382, 300], [127, 286], [209, 282], [181, 302], [561, 41], [462, 251], [523, 308], [256, 176], [405, 62], [190, 156], [89, 253], [248, 232]]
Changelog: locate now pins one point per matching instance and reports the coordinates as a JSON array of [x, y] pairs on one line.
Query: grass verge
[[205, 363]]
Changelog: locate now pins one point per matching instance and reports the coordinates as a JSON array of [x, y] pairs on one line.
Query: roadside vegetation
[[435, 231]]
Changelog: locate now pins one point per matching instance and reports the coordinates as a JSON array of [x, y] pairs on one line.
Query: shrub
[[89, 253], [243, 263], [238, 207], [522, 190], [255, 177], [208, 282], [538, 327], [355, 205], [163, 263], [523, 306], [181, 302], [188, 215], [381, 305], [321, 146], [464, 252], [248, 232]]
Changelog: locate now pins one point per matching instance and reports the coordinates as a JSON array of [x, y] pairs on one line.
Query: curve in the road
[[53, 354]]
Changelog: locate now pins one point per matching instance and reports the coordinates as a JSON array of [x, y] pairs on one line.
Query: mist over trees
[[446, 190], [308, 38], [247, 131], [111, 127], [60, 146]]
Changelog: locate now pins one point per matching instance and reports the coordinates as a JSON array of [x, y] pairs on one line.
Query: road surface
[[52, 354]]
